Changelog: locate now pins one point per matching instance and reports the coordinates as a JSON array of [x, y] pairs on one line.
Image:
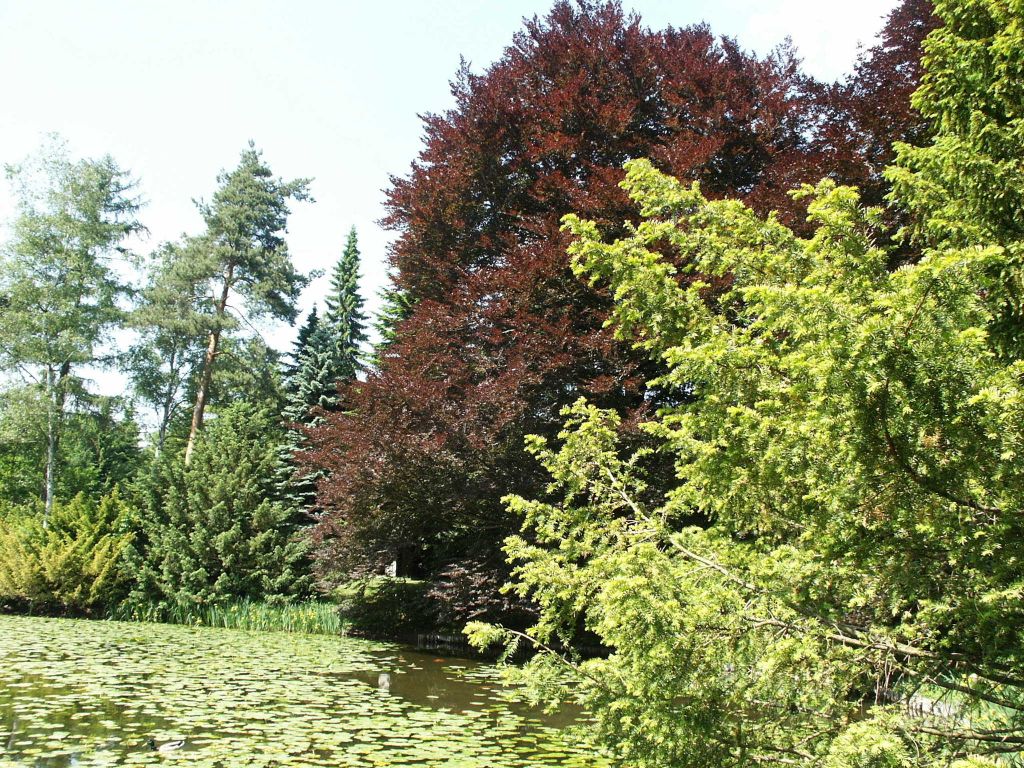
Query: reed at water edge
[[312, 617]]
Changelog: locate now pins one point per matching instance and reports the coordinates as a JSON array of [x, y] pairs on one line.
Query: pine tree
[[243, 253]]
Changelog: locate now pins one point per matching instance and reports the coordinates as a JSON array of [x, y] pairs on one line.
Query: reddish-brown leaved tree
[[502, 335]]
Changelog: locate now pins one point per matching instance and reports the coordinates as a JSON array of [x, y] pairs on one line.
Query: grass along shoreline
[[311, 617]]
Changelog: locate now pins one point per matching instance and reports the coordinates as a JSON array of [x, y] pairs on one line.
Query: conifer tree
[[243, 253], [294, 364], [344, 316], [315, 386], [327, 353], [310, 390], [395, 306], [851, 434], [216, 529]]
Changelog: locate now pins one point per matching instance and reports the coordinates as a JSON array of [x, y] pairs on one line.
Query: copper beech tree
[[499, 335]]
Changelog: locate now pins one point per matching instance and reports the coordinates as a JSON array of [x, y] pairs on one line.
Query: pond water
[[96, 693]]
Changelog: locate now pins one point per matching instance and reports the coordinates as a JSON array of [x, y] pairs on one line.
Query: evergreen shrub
[[71, 561], [217, 531]]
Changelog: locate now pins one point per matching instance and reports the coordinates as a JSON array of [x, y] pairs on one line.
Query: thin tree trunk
[[56, 398], [161, 435], [208, 360], [167, 406], [51, 445]]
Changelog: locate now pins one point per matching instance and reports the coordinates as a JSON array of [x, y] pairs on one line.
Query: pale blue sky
[[174, 90]]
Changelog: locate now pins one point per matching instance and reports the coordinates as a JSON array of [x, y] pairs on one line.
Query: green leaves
[[60, 293]]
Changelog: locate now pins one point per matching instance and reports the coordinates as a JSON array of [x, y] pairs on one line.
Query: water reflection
[[451, 684]]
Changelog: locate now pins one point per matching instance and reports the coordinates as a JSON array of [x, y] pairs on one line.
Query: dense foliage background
[[718, 365]]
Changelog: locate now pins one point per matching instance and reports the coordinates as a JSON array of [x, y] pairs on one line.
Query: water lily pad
[[95, 693]]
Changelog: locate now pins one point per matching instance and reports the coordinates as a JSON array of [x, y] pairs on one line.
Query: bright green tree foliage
[[248, 371], [395, 306], [99, 449], [22, 443], [854, 443], [214, 530], [173, 318], [968, 186], [73, 563], [848, 443]]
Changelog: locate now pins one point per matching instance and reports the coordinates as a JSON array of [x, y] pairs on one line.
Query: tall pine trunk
[[201, 395], [208, 361]]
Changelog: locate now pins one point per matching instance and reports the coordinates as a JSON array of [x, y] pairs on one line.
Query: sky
[[329, 89]]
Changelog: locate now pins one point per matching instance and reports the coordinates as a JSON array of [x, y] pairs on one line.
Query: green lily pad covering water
[[90, 693]]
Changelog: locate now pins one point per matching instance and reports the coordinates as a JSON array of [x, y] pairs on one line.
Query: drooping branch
[[922, 480]]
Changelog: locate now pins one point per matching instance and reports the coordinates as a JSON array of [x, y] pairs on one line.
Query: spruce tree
[[315, 386], [395, 306], [294, 364], [329, 354], [344, 315], [329, 350]]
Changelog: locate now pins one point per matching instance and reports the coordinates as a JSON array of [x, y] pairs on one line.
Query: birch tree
[[59, 287]]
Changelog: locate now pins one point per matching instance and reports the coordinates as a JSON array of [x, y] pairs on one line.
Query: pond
[[96, 693]]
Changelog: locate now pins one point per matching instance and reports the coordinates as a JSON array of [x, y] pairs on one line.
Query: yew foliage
[[853, 436]]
